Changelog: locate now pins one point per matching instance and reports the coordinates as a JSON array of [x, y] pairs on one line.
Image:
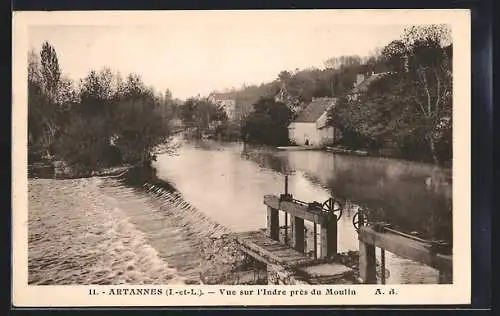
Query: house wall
[[300, 132], [230, 107]]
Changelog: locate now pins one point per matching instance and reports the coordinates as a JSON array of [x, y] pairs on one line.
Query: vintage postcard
[[225, 158]]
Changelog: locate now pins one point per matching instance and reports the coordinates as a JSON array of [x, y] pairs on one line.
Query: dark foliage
[[268, 123], [104, 122]]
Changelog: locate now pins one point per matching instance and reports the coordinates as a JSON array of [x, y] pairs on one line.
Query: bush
[[228, 131], [83, 147]]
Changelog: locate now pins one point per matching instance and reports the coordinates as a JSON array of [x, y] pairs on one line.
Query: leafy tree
[[409, 110], [108, 120], [140, 127], [51, 74], [228, 131], [343, 61], [426, 53], [379, 120], [44, 82], [268, 123], [82, 146], [39, 122], [200, 113]]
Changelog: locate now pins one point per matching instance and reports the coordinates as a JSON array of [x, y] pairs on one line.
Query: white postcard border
[[66, 296]]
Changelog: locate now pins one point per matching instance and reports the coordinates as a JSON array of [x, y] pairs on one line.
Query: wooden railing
[[402, 246]]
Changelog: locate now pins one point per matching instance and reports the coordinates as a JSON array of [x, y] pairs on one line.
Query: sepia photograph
[[237, 148]]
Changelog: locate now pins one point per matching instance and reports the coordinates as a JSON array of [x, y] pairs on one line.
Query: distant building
[[229, 105], [310, 127], [363, 82]]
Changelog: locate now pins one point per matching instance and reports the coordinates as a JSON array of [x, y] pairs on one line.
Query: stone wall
[[278, 275], [223, 263]]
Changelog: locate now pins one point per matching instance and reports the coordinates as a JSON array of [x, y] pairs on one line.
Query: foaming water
[[172, 226], [77, 235], [99, 231]]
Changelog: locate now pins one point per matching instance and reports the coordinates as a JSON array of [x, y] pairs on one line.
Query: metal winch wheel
[[359, 219], [333, 206]]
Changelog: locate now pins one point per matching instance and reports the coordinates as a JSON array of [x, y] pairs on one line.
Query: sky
[[196, 56]]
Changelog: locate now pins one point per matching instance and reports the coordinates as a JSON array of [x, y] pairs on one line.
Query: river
[[227, 182]]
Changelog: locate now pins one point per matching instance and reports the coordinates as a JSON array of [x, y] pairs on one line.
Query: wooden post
[[367, 263], [286, 228], [328, 237], [382, 265], [445, 276], [297, 233], [315, 240], [286, 184], [273, 223]]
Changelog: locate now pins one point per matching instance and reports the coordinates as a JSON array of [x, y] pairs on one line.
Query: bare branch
[[438, 95], [423, 81]]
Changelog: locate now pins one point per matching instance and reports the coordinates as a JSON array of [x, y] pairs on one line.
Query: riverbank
[[356, 152], [60, 170]]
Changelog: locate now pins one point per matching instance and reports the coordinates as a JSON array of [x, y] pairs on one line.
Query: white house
[[310, 128], [228, 104]]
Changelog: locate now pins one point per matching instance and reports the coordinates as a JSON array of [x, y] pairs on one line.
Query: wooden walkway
[[266, 250], [288, 263]]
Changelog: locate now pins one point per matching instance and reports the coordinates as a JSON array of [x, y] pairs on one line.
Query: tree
[[34, 67], [268, 123], [51, 74], [108, 120], [44, 115], [39, 122], [381, 119], [99, 92], [409, 110], [425, 53], [342, 61], [82, 145], [200, 113], [168, 96], [395, 56], [140, 128]]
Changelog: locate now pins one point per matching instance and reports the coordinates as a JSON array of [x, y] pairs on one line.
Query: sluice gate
[[286, 260]]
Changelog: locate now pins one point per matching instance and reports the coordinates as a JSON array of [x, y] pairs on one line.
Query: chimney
[[359, 78]]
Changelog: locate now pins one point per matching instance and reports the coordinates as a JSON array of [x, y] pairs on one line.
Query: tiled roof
[[315, 109], [363, 86]]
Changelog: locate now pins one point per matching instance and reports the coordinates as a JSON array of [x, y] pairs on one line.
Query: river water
[[103, 231], [227, 182]]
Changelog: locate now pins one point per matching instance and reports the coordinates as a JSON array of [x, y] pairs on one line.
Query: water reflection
[[228, 181], [412, 196]]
